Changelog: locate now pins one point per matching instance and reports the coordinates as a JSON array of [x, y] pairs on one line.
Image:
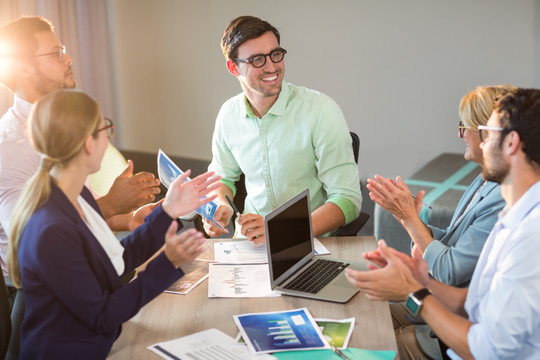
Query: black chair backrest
[[5, 319], [355, 146]]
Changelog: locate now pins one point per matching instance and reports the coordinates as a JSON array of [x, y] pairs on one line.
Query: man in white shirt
[[498, 316]]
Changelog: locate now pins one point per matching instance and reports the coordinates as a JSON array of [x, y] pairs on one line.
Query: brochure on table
[[350, 353], [194, 274], [336, 332], [168, 171], [210, 344], [280, 331]]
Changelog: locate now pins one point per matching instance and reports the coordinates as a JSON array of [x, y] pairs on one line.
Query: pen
[[235, 209], [426, 205], [340, 354]]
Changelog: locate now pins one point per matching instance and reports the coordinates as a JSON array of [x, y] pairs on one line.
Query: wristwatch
[[415, 300]]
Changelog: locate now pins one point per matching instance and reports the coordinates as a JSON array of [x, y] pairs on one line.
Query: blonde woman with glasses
[[63, 254]]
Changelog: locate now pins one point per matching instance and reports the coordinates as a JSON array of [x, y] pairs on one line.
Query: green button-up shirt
[[301, 142]]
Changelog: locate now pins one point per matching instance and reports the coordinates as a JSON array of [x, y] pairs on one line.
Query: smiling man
[[283, 138]]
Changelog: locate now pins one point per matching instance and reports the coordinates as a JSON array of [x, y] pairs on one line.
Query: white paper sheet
[[210, 344], [319, 248], [245, 252], [239, 280], [240, 252]]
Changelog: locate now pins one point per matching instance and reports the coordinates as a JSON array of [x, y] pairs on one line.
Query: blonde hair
[[60, 123], [476, 107]]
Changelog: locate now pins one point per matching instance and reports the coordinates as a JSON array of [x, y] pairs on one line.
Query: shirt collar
[[22, 107], [279, 107], [511, 217]]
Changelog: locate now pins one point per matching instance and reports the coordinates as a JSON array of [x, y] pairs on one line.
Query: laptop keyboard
[[316, 276]]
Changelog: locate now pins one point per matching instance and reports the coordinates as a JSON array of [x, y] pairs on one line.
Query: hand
[[223, 215], [129, 191], [416, 264], [138, 216], [184, 247], [184, 197], [252, 227], [392, 282], [395, 197]]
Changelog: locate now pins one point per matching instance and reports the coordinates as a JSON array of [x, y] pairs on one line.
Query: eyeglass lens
[[61, 52], [461, 129], [276, 56], [483, 134]]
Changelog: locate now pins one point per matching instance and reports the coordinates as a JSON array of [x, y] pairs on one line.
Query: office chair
[[354, 226], [10, 322], [417, 320], [350, 229], [5, 319]]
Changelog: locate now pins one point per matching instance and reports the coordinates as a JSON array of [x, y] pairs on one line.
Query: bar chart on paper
[[281, 333], [239, 280]]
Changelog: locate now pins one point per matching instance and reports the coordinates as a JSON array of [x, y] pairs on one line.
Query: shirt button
[[267, 185]]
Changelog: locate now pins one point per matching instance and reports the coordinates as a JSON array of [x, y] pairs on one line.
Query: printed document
[[239, 280], [210, 344]]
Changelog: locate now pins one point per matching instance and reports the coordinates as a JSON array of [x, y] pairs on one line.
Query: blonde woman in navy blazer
[[75, 300]]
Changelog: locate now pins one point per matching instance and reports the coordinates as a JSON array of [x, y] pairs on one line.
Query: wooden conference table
[[170, 316]]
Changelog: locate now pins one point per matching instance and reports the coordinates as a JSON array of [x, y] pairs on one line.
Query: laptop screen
[[288, 235]]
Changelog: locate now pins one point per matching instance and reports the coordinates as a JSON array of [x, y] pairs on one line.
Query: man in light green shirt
[[283, 137]]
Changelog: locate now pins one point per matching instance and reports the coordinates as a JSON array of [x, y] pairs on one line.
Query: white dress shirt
[[503, 300], [18, 162], [104, 235]]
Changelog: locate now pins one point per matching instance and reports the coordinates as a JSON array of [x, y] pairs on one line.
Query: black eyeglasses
[[484, 131], [59, 53], [109, 126], [258, 61], [462, 128]]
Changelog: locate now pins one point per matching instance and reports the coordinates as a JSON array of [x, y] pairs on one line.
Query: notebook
[[289, 243]]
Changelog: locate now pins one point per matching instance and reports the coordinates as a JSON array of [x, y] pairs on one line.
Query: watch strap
[[421, 294]]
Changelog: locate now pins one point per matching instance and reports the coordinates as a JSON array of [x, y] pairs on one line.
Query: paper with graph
[[239, 280]]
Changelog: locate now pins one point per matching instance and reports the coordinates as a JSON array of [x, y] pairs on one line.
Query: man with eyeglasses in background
[[283, 138], [498, 316], [34, 63]]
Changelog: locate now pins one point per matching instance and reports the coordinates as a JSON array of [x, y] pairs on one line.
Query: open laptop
[[289, 242]]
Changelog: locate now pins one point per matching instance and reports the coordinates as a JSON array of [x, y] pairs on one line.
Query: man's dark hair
[[521, 112], [242, 29], [17, 41]]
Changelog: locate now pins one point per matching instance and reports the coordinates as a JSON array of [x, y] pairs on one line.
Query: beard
[[46, 85], [497, 173]]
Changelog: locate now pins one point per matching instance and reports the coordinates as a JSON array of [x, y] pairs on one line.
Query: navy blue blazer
[[75, 300]]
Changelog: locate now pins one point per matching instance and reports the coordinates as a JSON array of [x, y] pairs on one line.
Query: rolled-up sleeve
[[335, 163]]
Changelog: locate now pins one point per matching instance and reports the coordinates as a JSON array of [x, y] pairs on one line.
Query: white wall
[[397, 68]]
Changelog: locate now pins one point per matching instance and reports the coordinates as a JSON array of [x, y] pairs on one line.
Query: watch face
[[413, 305]]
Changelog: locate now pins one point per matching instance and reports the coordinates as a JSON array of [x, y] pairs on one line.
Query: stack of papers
[[282, 333], [241, 269]]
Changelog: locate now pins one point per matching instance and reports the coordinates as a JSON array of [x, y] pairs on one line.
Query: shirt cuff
[[346, 206], [432, 252], [230, 184]]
